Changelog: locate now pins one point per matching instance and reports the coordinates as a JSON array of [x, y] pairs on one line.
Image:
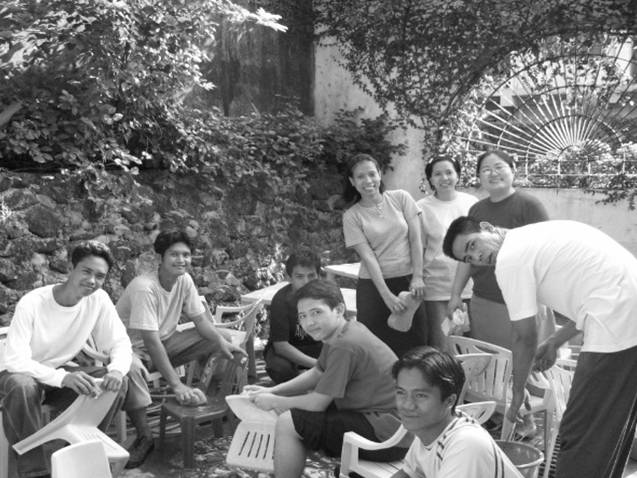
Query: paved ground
[[166, 462]]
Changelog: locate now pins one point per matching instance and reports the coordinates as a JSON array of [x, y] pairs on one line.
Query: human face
[[496, 176], [88, 275], [319, 320], [478, 248], [176, 259], [366, 179], [419, 404], [301, 275], [443, 177]]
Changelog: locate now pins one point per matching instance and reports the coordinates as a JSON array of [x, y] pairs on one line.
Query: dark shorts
[[324, 431]]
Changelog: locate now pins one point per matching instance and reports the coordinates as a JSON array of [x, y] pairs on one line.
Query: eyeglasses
[[498, 168]]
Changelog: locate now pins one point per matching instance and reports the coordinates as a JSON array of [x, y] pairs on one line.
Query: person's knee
[[23, 387], [285, 425]]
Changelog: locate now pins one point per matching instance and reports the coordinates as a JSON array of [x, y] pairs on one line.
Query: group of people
[[523, 266], [333, 374], [51, 326]]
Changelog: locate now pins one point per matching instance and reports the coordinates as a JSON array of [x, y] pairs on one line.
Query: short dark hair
[[496, 152], [92, 248], [165, 239], [440, 369], [459, 226], [321, 289], [304, 258], [350, 194], [429, 168]]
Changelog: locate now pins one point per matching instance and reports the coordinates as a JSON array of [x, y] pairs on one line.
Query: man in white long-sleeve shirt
[[50, 326]]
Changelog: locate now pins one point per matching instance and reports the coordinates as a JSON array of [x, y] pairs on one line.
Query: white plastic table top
[[267, 293], [345, 270]]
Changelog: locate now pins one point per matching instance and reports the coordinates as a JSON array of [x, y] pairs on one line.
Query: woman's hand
[[393, 303], [417, 287]]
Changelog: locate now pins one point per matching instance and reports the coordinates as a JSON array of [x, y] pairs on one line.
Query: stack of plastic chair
[[81, 460], [226, 374], [78, 423], [560, 381]]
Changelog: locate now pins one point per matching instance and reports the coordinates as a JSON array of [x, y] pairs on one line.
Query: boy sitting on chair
[[50, 326], [151, 306], [290, 349], [448, 443], [349, 389]]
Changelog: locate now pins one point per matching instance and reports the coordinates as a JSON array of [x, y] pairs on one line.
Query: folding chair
[[214, 410]]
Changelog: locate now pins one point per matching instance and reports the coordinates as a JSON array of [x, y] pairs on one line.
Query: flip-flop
[[402, 320]]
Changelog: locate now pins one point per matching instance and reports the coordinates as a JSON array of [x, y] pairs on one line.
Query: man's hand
[[81, 383], [112, 381], [255, 389], [266, 401], [545, 356], [186, 395], [226, 349], [455, 302]]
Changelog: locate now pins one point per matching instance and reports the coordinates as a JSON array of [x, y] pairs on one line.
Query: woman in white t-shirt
[[438, 211], [384, 229]]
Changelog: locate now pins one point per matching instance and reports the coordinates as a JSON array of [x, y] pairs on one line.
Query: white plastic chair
[[81, 460], [560, 381], [252, 445], [473, 365], [352, 443], [494, 383], [78, 423]]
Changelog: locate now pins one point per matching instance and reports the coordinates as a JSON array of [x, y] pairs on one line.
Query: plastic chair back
[[479, 411], [493, 383], [473, 365], [81, 460]]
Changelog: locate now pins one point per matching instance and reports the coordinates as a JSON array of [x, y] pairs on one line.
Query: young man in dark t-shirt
[[290, 350]]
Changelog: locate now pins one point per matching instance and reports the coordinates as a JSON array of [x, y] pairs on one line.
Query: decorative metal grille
[[567, 115]]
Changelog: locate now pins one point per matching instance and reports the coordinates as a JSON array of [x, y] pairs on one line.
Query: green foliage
[[103, 84]]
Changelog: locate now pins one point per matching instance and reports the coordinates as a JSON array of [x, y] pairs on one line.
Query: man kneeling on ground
[[448, 443], [151, 306], [349, 389], [50, 326]]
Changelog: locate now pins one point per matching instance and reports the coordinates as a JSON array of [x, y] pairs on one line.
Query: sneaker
[[139, 451]]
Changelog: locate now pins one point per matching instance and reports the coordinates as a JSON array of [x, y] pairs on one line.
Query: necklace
[[378, 208]]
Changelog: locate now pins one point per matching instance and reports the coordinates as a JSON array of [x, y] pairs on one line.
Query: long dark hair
[[350, 194]]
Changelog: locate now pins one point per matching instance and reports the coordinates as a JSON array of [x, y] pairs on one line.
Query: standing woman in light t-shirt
[[384, 229], [438, 211]]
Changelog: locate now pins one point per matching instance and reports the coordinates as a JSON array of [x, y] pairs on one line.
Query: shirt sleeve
[[410, 209], [18, 354], [193, 306], [143, 310], [352, 229], [111, 337], [279, 317], [337, 366]]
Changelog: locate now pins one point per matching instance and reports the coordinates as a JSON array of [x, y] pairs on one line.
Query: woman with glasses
[[504, 207], [438, 211]]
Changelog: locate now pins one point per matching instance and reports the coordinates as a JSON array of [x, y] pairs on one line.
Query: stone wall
[[239, 239]]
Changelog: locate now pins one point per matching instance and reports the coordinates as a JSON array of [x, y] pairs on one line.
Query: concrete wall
[[334, 90]]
